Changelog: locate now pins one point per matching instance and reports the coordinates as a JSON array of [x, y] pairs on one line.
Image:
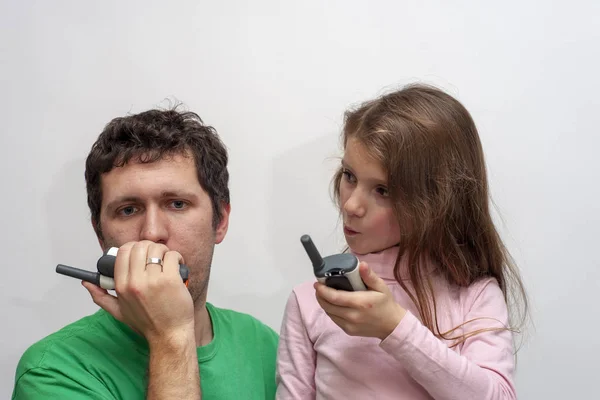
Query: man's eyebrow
[[122, 199], [178, 193], [164, 194]]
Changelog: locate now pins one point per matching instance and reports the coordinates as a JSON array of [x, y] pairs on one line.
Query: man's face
[[163, 202]]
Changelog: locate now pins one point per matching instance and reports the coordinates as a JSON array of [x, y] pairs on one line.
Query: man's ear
[[99, 236], [223, 225]]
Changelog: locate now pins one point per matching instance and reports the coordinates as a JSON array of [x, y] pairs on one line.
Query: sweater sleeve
[[296, 356], [482, 371]]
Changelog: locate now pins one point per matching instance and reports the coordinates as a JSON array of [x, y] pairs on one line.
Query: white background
[[274, 77]]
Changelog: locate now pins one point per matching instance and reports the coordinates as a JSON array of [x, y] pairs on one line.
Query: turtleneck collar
[[382, 262]]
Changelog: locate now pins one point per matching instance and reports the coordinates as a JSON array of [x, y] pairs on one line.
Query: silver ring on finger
[[155, 260]]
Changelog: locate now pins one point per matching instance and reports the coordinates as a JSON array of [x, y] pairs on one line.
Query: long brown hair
[[429, 146]]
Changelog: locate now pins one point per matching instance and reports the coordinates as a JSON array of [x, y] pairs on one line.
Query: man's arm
[[153, 300], [173, 369]]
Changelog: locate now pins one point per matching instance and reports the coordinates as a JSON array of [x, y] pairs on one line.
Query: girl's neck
[[383, 262]]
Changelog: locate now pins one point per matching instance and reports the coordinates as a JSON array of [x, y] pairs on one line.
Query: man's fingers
[[138, 259], [121, 274], [171, 262], [154, 263], [104, 300]]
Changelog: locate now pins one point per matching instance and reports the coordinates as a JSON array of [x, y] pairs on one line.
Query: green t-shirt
[[99, 357]]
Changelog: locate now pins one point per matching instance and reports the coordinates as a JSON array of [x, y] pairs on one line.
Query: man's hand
[[155, 302], [152, 299], [371, 313]]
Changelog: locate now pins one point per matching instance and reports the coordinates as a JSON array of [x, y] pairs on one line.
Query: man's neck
[[203, 326]]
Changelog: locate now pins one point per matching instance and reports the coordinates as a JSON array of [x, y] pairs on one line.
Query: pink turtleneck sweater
[[317, 360]]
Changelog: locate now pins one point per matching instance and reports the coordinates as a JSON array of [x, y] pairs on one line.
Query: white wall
[[274, 78]]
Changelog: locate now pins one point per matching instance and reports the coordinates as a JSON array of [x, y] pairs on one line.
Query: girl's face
[[369, 221]]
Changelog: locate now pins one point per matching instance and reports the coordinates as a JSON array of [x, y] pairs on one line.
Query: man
[[157, 185]]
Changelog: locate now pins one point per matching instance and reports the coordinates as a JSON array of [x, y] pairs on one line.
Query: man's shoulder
[[65, 343], [84, 359]]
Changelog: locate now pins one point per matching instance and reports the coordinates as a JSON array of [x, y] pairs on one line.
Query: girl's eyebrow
[[374, 181]]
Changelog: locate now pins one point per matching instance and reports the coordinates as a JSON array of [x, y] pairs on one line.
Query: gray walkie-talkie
[[106, 271], [338, 271]]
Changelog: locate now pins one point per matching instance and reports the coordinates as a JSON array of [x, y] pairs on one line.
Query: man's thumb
[[104, 300]]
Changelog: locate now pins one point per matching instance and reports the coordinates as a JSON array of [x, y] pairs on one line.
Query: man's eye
[[179, 204], [127, 210]]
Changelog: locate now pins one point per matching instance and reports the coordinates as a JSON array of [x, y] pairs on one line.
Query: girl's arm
[[295, 356], [483, 369]]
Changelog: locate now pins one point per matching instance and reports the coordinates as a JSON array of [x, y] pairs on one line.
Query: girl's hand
[[371, 313]]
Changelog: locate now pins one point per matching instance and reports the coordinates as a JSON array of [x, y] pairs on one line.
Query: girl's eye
[[348, 176], [382, 191]]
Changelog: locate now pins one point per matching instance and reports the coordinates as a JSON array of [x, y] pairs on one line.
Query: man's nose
[[154, 227]]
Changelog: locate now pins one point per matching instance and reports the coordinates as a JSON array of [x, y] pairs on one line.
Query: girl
[[434, 322]]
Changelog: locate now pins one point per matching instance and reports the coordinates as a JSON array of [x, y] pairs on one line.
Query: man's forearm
[[173, 369]]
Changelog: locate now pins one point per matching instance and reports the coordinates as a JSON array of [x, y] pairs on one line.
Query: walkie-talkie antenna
[[313, 253], [96, 278], [77, 273]]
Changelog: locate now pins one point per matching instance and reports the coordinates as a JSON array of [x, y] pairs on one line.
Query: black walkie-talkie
[[106, 271], [338, 271]]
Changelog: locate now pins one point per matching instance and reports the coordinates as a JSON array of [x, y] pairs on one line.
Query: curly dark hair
[[149, 136]]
